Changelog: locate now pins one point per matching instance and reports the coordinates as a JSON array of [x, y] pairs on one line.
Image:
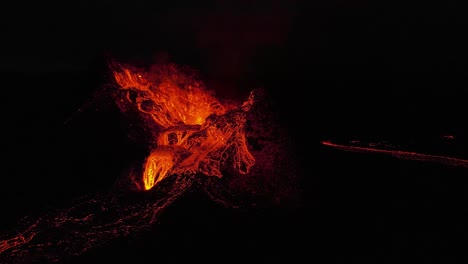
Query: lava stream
[[88, 223], [407, 155]]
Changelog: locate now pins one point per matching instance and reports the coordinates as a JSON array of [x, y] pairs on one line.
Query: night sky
[[334, 68], [407, 57]]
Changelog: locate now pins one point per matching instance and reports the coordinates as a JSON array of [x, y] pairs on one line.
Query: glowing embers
[[197, 134]]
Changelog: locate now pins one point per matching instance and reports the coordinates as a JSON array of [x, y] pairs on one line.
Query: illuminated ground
[[110, 217], [338, 70], [364, 208]]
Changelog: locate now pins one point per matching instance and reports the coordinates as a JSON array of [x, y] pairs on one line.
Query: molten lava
[[187, 133], [197, 132], [171, 97]]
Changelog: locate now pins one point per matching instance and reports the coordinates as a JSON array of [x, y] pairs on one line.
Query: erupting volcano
[[197, 132], [190, 136]]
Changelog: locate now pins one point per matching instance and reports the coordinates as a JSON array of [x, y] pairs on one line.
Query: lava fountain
[[197, 132], [191, 136]]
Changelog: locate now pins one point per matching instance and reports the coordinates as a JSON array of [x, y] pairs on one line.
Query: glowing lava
[[197, 132], [407, 155], [89, 222], [170, 96], [188, 133]]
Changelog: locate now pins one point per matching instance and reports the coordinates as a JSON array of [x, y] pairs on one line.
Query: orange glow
[[169, 96], [189, 135], [406, 155], [157, 166], [197, 134]]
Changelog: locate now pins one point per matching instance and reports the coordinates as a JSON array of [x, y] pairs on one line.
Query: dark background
[[335, 69]]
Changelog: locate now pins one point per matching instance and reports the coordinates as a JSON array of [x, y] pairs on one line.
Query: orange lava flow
[[189, 133], [408, 155], [22, 238], [170, 97], [198, 134]]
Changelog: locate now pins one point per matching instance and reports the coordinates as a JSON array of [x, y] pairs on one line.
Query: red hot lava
[[197, 133], [190, 133]]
